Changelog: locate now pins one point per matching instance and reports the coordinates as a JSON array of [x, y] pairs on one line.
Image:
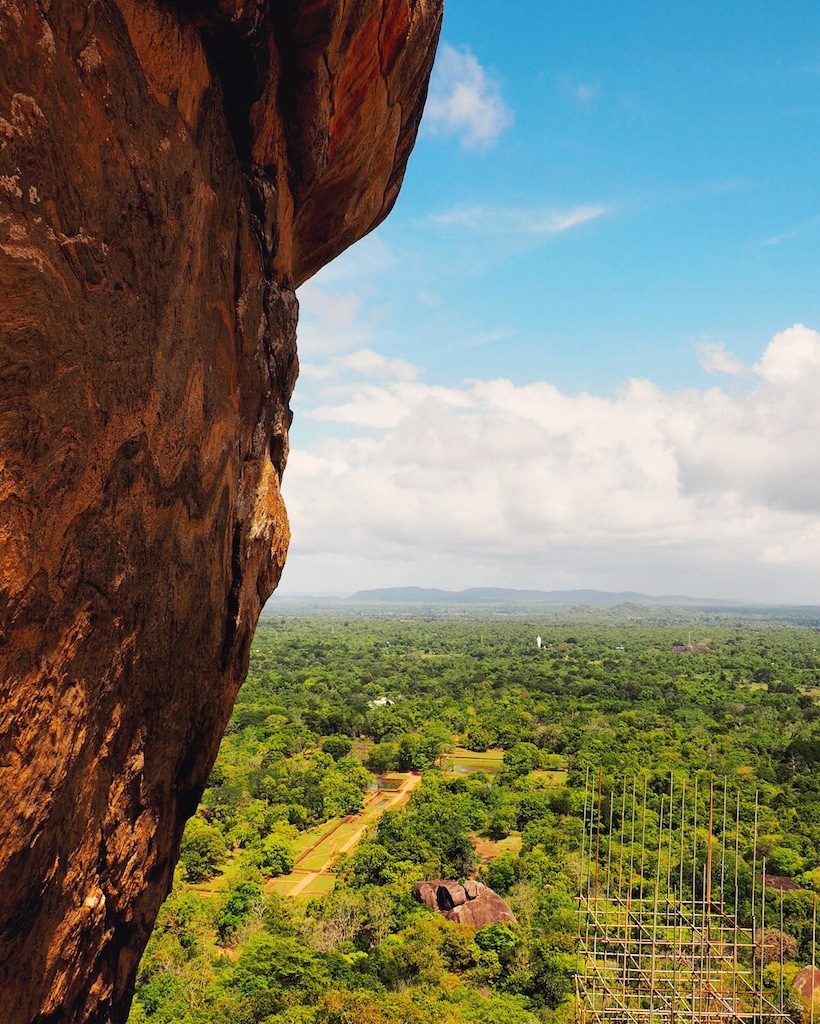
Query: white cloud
[[363, 362], [792, 357], [333, 324], [515, 220], [368, 362], [338, 313], [714, 358], [784, 236], [464, 101], [494, 482], [382, 406]]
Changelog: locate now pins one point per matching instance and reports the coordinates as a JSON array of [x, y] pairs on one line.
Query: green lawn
[[314, 835], [552, 778], [221, 882], [320, 886], [282, 884], [330, 845], [462, 762]]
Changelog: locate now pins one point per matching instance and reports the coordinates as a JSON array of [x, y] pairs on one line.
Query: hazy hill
[[502, 595]]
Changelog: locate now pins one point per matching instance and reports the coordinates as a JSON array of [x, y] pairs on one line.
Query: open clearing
[[550, 778], [320, 848], [462, 761], [486, 849]]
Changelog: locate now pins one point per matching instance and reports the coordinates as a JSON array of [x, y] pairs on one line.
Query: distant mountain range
[[502, 595]]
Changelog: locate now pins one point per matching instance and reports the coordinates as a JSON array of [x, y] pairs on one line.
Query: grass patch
[[320, 886], [489, 848], [462, 762], [330, 845], [550, 778], [282, 884], [314, 835]]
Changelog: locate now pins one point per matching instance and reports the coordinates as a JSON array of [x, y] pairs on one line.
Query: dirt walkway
[[396, 800]]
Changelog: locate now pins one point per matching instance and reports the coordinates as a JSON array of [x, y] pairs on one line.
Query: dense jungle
[[370, 750]]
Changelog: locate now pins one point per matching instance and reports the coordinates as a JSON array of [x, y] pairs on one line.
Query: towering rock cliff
[[168, 174]]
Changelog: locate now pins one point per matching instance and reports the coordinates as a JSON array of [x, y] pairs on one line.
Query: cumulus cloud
[[793, 357], [464, 101], [714, 358], [526, 484], [515, 220]]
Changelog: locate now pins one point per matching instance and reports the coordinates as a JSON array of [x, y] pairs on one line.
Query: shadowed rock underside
[[168, 174]]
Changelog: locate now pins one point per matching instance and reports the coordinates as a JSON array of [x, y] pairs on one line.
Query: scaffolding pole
[[666, 947]]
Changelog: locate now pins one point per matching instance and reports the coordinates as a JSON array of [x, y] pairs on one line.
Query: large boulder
[[169, 173], [470, 903]]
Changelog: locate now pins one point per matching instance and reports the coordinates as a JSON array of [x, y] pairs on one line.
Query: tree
[[276, 853], [337, 746], [384, 757], [770, 943], [501, 873], [502, 819], [478, 737], [521, 759], [412, 753], [550, 976], [202, 851], [499, 938], [370, 864], [275, 962], [237, 908]]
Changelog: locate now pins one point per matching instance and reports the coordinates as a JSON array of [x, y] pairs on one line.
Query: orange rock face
[[168, 174]]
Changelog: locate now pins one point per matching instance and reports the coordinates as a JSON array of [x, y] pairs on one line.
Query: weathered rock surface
[[807, 982], [472, 903], [168, 174]]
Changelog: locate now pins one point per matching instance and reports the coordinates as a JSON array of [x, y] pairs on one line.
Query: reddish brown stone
[[472, 903], [807, 982], [168, 174], [483, 908]]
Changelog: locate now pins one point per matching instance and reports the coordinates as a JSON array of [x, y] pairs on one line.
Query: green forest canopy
[[312, 722]]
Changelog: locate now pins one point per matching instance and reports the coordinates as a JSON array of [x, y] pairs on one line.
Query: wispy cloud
[[582, 92], [465, 102], [341, 306], [714, 358], [789, 233], [784, 236], [490, 337], [516, 220]]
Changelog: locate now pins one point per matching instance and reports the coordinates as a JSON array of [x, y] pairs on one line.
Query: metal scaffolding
[[671, 927]]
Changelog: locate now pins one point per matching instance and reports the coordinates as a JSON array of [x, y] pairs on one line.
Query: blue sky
[[601, 194]]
